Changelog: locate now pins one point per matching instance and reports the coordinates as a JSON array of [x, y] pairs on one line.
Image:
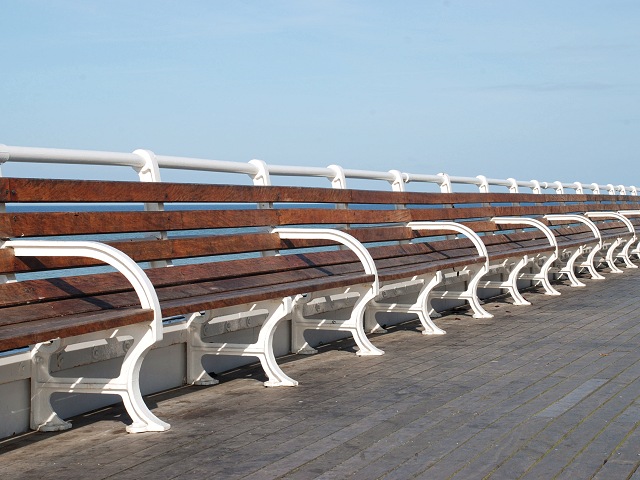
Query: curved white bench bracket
[[144, 336]]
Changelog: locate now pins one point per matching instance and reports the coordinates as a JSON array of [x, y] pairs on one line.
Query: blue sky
[[505, 88]]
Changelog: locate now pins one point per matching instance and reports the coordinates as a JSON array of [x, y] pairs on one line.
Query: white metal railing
[[147, 164]]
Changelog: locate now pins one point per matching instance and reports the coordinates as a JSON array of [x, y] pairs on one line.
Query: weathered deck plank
[[550, 390]]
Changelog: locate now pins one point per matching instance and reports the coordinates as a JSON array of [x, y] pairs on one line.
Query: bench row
[[325, 259]]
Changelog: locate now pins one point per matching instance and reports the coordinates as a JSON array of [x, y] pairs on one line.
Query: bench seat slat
[[19, 335], [194, 276], [269, 292], [406, 271], [283, 284], [517, 252], [237, 274]]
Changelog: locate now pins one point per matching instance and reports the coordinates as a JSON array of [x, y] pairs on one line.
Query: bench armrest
[[629, 213], [531, 222], [614, 215], [455, 227], [105, 253], [576, 218], [336, 236]]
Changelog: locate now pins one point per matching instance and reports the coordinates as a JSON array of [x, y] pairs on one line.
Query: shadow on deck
[[551, 390]]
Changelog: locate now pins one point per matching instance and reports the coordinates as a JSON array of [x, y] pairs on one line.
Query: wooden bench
[[209, 254], [564, 233], [52, 305]]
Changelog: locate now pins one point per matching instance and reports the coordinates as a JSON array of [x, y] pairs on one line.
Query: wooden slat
[[47, 190], [147, 250], [89, 285], [407, 271], [189, 295], [380, 234], [30, 224], [23, 334], [225, 299], [38, 190]]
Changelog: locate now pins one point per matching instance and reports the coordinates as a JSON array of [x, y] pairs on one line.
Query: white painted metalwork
[[513, 185], [483, 186], [509, 183], [536, 187], [628, 240], [148, 165], [543, 267], [336, 236], [71, 157], [570, 256], [419, 177], [355, 322], [632, 214], [470, 294], [277, 310], [464, 180], [339, 179], [126, 384], [445, 185], [559, 186]]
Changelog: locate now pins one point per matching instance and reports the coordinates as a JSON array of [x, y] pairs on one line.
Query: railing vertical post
[[611, 189], [579, 188], [4, 156], [261, 178], [537, 188], [513, 187], [484, 184], [559, 187], [399, 180], [397, 185], [339, 179], [445, 184], [150, 172]]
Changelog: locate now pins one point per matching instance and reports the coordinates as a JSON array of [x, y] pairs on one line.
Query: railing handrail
[[147, 164]]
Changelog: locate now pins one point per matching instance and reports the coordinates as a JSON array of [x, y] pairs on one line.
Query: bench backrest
[[200, 221]]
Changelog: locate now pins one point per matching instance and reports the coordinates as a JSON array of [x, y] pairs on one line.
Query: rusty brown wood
[[184, 289], [22, 334]]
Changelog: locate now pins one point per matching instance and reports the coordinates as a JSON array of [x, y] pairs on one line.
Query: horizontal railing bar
[[421, 177], [138, 160], [497, 181], [75, 157], [368, 175], [524, 183], [300, 171], [223, 166], [465, 180]]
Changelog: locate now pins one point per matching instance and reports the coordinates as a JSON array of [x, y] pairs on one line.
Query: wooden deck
[[546, 391]]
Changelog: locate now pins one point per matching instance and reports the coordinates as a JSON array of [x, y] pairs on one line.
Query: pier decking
[[550, 390]]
